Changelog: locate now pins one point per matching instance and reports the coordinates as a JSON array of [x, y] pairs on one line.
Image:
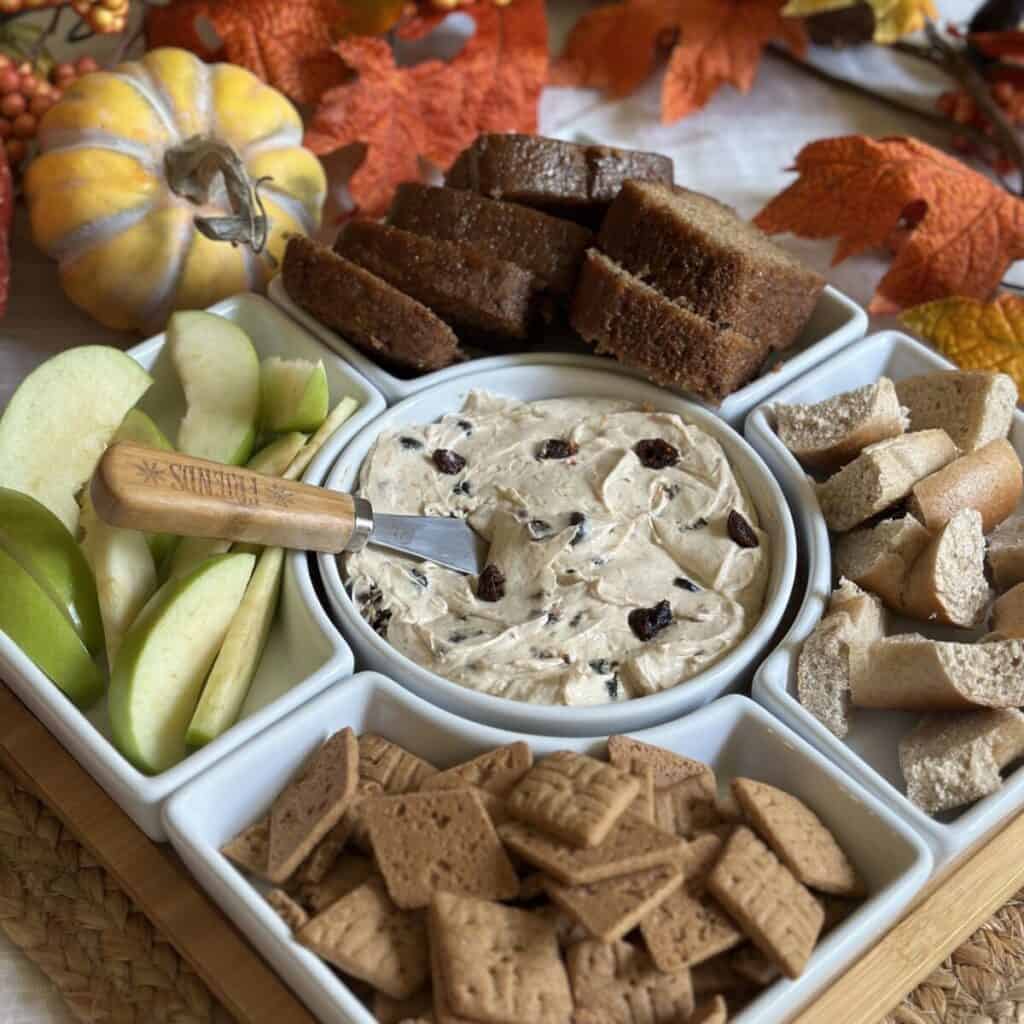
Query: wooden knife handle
[[165, 492]]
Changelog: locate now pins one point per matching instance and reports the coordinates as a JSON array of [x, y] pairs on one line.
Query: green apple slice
[[122, 563], [295, 394], [61, 419], [138, 427], [166, 656], [272, 460], [43, 632], [220, 374], [235, 667], [33, 536]]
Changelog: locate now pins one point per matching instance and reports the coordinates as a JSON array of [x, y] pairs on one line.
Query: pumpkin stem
[[195, 169]]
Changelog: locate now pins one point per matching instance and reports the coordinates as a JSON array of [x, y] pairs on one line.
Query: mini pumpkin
[[145, 169]]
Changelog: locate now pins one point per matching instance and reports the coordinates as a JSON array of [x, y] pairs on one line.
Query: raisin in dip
[[625, 556]]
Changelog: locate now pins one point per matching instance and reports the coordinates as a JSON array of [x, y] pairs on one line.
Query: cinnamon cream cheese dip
[[625, 555]]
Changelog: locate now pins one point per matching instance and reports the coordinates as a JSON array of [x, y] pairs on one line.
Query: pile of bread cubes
[[566, 890], [920, 487], [530, 232]]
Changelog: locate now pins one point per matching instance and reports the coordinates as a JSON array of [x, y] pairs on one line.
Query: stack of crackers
[[567, 891]]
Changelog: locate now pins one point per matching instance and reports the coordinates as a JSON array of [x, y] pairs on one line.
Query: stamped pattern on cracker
[[391, 766], [687, 807], [610, 909], [574, 797], [348, 872], [632, 845], [499, 963], [312, 804], [797, 836], [633, 755], [496, 771], [438, 841], [367, 936], [760, 893], [250, 847]]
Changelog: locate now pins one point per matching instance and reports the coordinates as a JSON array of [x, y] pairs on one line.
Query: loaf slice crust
[[883, 474], [550, 247], [834, 652], [461, 284], [949, 760], [828, 434], [628, 319], [1008, 615], [369, 312], [695, 250], [879, 558], [912, 673], [549, 173], [973, 407], [1006, 552]]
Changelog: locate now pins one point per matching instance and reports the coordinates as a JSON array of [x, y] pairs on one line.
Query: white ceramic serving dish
[[305, 652], [532, 381], [734, 736], [836, 322], [869, 752]]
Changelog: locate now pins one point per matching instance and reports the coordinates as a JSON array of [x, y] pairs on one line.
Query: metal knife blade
[[449, 542]]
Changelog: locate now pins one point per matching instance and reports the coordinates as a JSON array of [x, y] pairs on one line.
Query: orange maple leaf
[[957, 230], [710, 42], [289, 45], [436, 108]]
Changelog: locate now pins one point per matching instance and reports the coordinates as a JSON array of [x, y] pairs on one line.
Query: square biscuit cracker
[[633, 755], [395, 1011], [348, 872], [632, 845], [391, 766], [571, 796], [714, 1011], [687, 807], [750, 962], [689, 927], [609, 909], [312, 804], [249, 848], [440, 841], [353, 816], [760, 893], [497, 771], [367, 936], [499, 964], [287, 909], [315, 867], [798, 837], [443, 1012], [616, 983]]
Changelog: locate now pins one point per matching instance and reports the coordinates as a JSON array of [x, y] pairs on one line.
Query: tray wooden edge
[[150, 874]]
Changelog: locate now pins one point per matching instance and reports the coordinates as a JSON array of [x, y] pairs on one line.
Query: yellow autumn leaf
[[974, 335], [893, 18]]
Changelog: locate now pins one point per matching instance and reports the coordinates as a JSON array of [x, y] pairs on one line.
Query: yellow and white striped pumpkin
[[101, 203]]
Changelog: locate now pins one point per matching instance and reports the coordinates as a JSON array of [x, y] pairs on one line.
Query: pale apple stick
[[232, 674]]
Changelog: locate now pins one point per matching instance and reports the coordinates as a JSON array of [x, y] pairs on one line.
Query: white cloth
[[737, 149]]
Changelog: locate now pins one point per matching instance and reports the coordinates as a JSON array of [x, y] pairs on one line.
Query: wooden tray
[[948, 911]]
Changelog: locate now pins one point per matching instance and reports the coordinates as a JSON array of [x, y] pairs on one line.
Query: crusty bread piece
[[393, 328], [1006, 553], [879, 558], [912, 673], [834, 652], [1008, 615], [699, 253], [947, 582], [628, 319], [988, 479], [828, 434], [952, 759], [884, 473], [973, 407]]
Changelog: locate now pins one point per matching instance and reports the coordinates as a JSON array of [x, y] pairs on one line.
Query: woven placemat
[[112, 967]]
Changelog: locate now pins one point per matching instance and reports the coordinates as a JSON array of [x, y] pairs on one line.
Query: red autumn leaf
[[436, 108], [957, 231], [710, 43], [289, 45]]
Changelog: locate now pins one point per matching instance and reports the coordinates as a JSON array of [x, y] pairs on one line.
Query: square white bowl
[[531, 381], [836, 322], [734, 736], [305, 652], [870, 750]]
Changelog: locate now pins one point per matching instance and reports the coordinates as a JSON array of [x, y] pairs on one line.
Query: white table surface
[[737, 149]]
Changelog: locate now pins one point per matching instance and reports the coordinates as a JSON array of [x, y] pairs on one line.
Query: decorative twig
[[40, 44]]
